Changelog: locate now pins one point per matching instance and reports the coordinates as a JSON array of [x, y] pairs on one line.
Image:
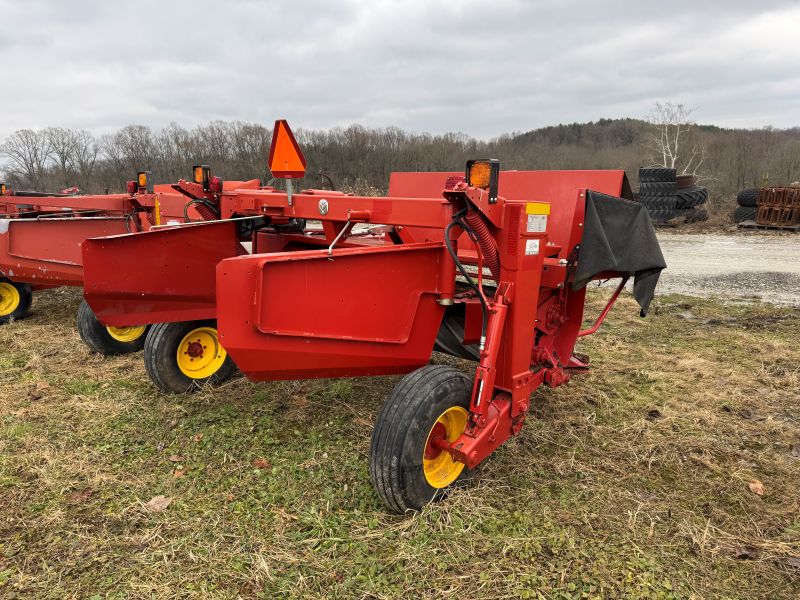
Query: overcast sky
[[480, 67]]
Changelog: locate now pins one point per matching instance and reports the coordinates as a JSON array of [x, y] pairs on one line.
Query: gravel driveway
[[751, 265]]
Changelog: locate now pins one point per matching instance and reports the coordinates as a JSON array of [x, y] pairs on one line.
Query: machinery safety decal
[[537, 217], [537, 223], [531, 247]]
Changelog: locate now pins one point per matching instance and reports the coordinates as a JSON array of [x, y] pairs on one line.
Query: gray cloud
[[477, 66]]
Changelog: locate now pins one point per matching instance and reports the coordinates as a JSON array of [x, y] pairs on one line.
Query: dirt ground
[[741, 265]]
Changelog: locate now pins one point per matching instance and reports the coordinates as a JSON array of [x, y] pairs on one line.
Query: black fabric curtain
[[618, 236]]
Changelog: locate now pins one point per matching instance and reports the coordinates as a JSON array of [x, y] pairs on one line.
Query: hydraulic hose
[[484, 307], [207, 213], [487, 243], [133, 217]]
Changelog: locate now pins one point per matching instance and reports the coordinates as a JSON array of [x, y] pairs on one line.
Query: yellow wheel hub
[[200, 354], [9, 298], [126, 334], [439, 467]]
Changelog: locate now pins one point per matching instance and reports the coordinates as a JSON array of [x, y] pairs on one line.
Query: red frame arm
[[606, 310]]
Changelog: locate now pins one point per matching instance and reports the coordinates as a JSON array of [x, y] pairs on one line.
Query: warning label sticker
[[537, 223], [531, 247]]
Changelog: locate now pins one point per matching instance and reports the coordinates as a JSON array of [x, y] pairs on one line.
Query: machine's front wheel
[[181, 357], [407, 467], [15, 300], [108, 341]]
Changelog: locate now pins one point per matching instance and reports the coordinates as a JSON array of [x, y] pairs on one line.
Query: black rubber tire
[[744, 213], [658, 188], [686, 181], [691, 197], [660, 216], [25, 301], [401, 432], [160, 358], [96, 336], [656, 174], [748, 197], [694, 215], [660, 203]]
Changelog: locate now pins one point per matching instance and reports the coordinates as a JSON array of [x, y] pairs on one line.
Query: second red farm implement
[[40, 245]]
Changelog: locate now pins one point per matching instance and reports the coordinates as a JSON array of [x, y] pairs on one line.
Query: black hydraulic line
[[330, 181], [484, 307], [129, 217]]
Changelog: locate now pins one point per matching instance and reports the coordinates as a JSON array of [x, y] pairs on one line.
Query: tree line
[[360, 159]]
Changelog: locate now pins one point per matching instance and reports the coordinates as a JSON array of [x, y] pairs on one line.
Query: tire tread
[[658, 188], [402, 409], [657, 174], [164, 372], [744, 213], [692, 197], [97, 338], [748, 197]]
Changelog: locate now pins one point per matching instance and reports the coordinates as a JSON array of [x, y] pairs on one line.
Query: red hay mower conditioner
[[41, 234], [490, 266]]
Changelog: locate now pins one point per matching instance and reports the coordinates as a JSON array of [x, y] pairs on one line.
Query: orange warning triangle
[[285, 159]]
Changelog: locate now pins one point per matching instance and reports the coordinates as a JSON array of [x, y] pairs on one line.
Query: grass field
[[631, 481]]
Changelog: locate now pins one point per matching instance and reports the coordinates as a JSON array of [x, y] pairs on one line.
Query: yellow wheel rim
[[126, 334], [439, 467], [200, 354], [9, 298]]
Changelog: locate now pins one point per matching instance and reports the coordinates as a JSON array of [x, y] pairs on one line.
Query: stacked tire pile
[[747, 201], [668, 196]]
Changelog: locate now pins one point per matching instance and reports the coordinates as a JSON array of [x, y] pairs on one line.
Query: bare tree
[[62, 150], [250, 148], [28, 152], [672, 144], [173, 146], [127, 151], [116, 170], [85, 154]]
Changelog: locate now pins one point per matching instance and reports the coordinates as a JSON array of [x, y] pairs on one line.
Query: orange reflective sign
[[285, 159]]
